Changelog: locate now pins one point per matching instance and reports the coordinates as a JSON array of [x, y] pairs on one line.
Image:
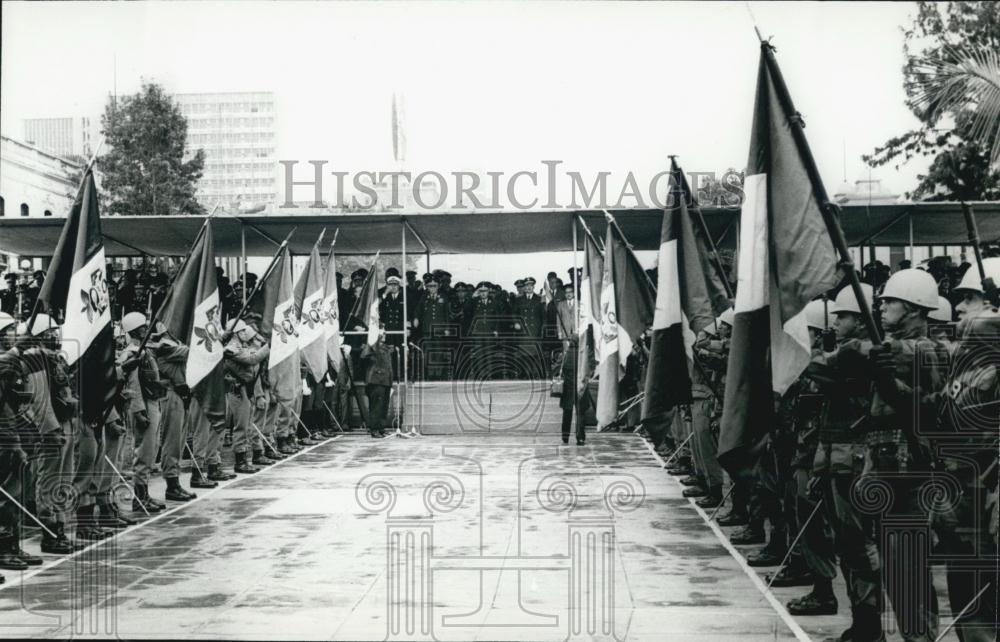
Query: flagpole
[[371, 275], [267, 273], [826, 208], [700, 219]]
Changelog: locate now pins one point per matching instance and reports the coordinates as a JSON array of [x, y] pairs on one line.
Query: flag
[[279, 325], [309, 303], [590, 305], [193, 316], [331, 313], [365, 311], [76, 288], [607, 342], [689, 296], [635, 301], [786, 259]]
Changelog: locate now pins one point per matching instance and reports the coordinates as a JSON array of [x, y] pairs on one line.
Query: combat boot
[[749, 534], [9, 560], [734, 517], [176, 492], [200, 481], [142, 502], [692, 480], [111, 516], [271, 453], [813, 604], [86, 525], [56, 543], [767, 556], [285, 446], [243, 466], [260, 459], [14, 544], [790, 575], [215, 473], [711, 500]]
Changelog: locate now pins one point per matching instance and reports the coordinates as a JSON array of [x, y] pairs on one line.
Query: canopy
[[493, 232]]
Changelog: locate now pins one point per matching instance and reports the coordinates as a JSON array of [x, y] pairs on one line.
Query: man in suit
[[566, 327]]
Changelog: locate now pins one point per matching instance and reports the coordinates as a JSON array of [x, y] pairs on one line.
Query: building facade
[[236, 130], [62, 136]]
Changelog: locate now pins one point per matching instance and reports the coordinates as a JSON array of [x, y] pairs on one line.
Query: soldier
[[8, 297], [432, 322], [569, 400], [968, 416], [143, 391], [14, 438], [803, 407], [378, 383], [47, 381], [485, 331], [907, 374], [706, 484], [171, 360], [241, 362]]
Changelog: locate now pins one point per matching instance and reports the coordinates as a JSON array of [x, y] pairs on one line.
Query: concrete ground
[[457, 537]]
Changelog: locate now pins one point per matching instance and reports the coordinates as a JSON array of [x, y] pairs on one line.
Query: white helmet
[[912, 286], [6, 321], [42, 323], [817, 316], [847, 302], [943, 311], [133, 320], [727, 317], [971, 280], [239, 326]]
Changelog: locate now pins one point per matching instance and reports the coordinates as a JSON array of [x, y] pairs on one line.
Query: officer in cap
[[8, 297], [529, 316], [390, 310], [431, 321]]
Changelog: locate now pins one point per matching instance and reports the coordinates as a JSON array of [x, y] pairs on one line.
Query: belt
[[888, 436]]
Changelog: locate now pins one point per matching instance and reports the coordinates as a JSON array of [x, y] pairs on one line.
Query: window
[[47, 213], [24, 209]]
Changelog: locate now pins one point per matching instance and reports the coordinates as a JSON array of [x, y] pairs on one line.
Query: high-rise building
[[236, 130], [61, 136]]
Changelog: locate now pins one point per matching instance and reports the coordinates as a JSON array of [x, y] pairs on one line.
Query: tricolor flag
[[76, 288], [689, 295], [193, 316], [365, 311], [279, 324], [786, 259], [590, 305], [331, 313], [309, 303]]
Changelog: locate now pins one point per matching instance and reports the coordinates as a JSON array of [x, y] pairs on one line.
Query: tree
[[952, 83], [144, 171]]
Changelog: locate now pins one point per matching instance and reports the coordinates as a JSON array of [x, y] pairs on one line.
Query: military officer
[[378, 383], [390, 311], [528, 313], [171, 360], [432, 322], [485, 331]]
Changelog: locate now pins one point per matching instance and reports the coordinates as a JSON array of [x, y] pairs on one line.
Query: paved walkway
[[452, 538]]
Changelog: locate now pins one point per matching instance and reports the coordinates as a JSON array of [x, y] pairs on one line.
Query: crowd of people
[[923, 406], [882, 460]]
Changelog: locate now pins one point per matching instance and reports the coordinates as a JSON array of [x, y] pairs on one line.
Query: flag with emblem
[[309, 302], [635, 300], [280, 325], [331, 312], [786, 259], [590, 305], [76, 289], [607, 336], [689, 296], [365, 310], [192, 315]]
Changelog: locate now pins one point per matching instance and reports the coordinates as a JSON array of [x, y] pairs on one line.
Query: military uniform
[[241, 363], [143, 391], [485, 333], [171, 359], [433, 324], [528, 314], [390, 312], [378, 384]]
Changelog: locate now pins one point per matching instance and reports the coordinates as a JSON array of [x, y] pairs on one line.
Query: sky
[[488, 86]]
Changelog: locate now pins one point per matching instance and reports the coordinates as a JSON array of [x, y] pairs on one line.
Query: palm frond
[[960, 80]]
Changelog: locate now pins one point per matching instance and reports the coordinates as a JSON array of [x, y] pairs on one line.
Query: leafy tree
[[952, 83], [144, 171]]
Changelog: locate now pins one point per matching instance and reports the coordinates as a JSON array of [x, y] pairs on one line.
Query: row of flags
[[786, 258]]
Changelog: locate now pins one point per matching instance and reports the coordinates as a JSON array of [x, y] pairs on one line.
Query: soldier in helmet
[[142, 394], [843, 377], [242, 359], [907, 374], [171, 360]]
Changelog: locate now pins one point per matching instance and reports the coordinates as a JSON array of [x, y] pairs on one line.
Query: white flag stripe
[[754, 272], [668, 288], [205, 351], [284, 342], [87, 308]]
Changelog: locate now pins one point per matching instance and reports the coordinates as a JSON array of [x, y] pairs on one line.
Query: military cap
[[482, 284], [251, 277], [358, 274], [391, 272], [428, 276], [530, 280], [462, 285], [410, 273], [551, 275], [10, 276], [519, 283], [445, 273], [393, 280]]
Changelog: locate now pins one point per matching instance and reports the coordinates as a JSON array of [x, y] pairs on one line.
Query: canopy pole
[[909, 220], [243, 256], [406, 321], [428, 260]]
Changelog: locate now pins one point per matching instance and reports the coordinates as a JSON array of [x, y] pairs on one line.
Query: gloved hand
[[883, 368], [829, 340], [261, 403], [140, 420]]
